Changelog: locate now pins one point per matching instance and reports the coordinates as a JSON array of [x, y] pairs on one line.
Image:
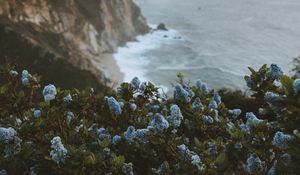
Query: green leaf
[[21, 94], [104, 143], [119, 160], [3, 89], [287, 83], [156, 141], [180, 77], [47, 158], [198, 143], [222, 160], [252, 71], [85, 131], [90, 159], [263, 67], [298, 135]]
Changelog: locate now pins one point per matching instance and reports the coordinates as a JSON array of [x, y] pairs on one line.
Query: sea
[[212, 40]]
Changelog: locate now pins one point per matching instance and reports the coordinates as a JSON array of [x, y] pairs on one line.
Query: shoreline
[[107, 64], [112, 71]]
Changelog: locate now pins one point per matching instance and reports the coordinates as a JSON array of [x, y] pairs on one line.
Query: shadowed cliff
[[76, 31]]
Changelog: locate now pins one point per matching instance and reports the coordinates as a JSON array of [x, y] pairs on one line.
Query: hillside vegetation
[[137, 130]]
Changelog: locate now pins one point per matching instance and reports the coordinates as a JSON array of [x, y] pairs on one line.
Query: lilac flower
[[253, 165], [181, 94], [121, 104], [143, 86], [25, 73], [296, 85], [37, 113], [238, 145], [262, 111], [185, 153], [114, 105], [183, 150], [197, 105], [295, 131], [59, 152], [189, 90], [245, 128], [103, 134], [141, 135], [25, 77], [77, 128], [235, 113], [154, 108], [217, 98], [3, 172], [116, 139], [272, 170], [207, 119], [212, 149], [174, 131], [286, 157], [250, 83], [34, 79], [7, 134], [158, 123], [271, 97], [130, 134], [195, 160], [135, 83], [13, 73], [275, 72], [12, 148], [163, 168], [106, 152], [176, 116], [252, 119], [68, 98], [213, 104], [230, 125], [133, 106], [281, 140], [18, 122], [70, 116], [25, 81], [49, 92], [202, 87], [216, 116], [127, 169], [92, 127]]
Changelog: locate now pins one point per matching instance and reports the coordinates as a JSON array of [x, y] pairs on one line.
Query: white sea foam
[[132, 59], [183, 67], [219, 44]]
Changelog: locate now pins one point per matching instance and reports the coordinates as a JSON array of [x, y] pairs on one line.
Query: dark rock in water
[[177, 37], [161, 26], [165, 36]]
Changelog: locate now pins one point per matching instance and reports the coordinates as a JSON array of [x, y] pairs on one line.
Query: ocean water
[[212, 40]]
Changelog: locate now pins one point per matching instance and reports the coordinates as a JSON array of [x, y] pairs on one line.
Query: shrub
[[137, 130]]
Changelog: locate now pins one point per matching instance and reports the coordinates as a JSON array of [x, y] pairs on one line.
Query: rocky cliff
[[78, 31]]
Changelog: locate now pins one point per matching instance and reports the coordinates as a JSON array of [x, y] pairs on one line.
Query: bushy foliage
[[138, 130]]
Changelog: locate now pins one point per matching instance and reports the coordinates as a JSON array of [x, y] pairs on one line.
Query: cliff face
[[76, 30]]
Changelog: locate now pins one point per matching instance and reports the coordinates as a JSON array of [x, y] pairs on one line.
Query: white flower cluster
[[49, 92], [7, 134], [58, 152], [12, 143]]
